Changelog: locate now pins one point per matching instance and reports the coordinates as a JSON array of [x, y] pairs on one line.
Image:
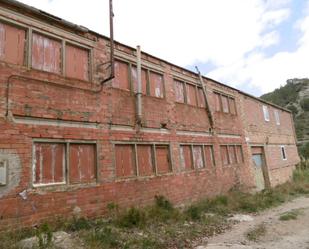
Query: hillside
[[295, 97]]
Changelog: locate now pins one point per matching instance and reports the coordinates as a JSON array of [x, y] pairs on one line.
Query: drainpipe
[[139, 86]]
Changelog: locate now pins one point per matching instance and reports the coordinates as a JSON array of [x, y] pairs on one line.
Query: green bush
[[133, 217]]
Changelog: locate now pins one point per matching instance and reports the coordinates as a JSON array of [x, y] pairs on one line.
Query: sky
[[253, 45]]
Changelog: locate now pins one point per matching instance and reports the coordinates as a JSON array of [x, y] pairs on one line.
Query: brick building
[[69, 144]]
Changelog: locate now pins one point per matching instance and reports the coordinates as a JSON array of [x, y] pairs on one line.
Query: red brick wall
[[72, 111]]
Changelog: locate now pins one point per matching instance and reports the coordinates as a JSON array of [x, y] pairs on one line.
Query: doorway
[[259, 167]]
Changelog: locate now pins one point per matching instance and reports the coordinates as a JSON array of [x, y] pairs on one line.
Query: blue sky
[[253, 45]]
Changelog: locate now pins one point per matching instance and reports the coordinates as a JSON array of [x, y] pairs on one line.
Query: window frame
[[283, 153], [28, 48], [66, 166], [154, 159]]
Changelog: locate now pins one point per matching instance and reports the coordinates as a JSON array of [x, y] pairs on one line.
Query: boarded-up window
[[163, 159], [224, 154], [156, 85], [191, 96], [82, 163], [77, 62], [208, 152], [201, 98], [217, 102], [46, 54], [225, 104], [134, 79], [179, 91], [125, 160], [12, 44], [277, 117], [121, 75], [49, 163], [186, 157], [232, 106], [145, 162], [232, 153], [198, 157], [239, 154]]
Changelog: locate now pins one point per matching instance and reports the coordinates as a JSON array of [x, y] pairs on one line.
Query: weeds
[[291, 215], [256, 233], [164, 226]]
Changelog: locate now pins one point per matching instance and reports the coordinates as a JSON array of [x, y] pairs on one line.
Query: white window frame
[[277, 117], [266, 113], [283, 152]]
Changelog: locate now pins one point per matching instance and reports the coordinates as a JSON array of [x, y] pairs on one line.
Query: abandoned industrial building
[[74, 139]]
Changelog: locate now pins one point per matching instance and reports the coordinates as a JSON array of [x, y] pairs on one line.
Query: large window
[[51, 161], [133, 160], [196, 156], [231, 154], [188, 93], [126, 78], [225, 103], [12, 44]]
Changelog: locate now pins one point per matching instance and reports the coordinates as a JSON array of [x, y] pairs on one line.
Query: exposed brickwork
[[56, 109]]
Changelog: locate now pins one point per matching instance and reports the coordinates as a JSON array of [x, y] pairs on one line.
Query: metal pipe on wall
[[139, 85]]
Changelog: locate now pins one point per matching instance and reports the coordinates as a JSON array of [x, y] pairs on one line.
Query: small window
[[82, 163], [145, 160], [49, 163], [121, 75], [179, 91], [283, 153], [191, 95], [198, 157], [266, 113], [277, 117], [125, 160], [76, 62], [46, 54], [12, 44], [186, 157], [224, 154], [156, 85]]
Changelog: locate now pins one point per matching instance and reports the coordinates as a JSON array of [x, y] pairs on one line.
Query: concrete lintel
[[228, 135], [54, 122], [194, 133]]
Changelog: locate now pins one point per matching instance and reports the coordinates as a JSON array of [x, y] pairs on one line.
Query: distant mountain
[[295, 97]]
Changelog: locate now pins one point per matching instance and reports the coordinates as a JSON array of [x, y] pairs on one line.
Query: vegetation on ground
[[291, 215], [162, 225], [256, 233]]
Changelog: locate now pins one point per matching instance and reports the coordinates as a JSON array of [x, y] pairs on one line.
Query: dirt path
[[275, 233]]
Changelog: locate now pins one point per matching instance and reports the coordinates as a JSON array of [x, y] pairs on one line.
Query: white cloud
[[222, 32]]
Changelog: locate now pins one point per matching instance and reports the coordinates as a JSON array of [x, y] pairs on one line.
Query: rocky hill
[[295, 97]]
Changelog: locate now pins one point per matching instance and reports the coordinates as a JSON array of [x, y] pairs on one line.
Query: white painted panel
[[3, 173]]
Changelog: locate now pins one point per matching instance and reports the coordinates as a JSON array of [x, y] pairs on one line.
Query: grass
[[291, 215], [256, 233], [162, 225]]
